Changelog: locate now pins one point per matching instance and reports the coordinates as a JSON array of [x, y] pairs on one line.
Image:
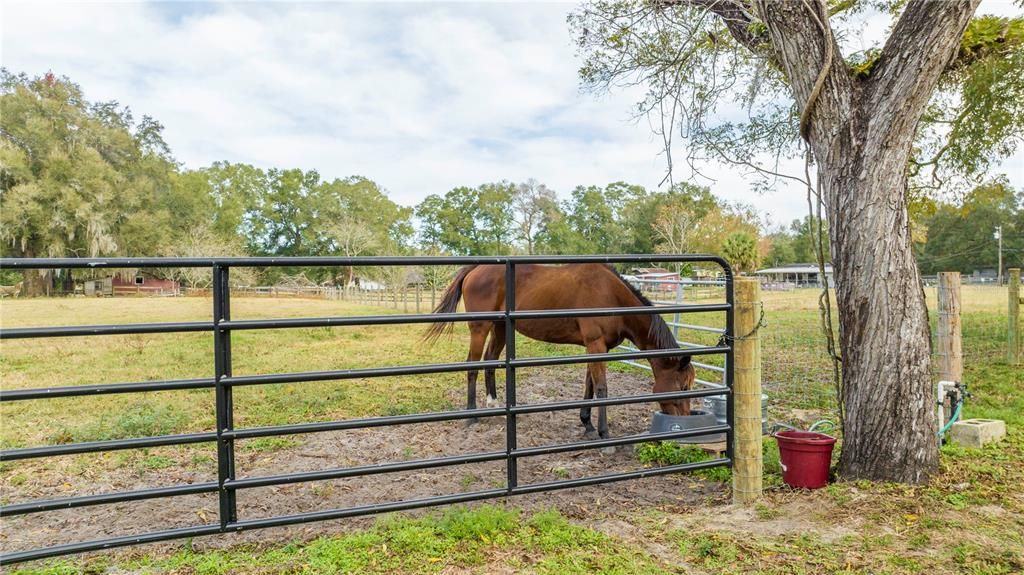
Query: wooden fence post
[[1013, 330], [950, 350], [747, 452]]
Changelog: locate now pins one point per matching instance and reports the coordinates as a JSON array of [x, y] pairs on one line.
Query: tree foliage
[[81, 179], [960, 236], [740, 250], [78, 178], [713, 80]]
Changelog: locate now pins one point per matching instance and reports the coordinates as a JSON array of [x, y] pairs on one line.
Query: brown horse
[[570, 286]]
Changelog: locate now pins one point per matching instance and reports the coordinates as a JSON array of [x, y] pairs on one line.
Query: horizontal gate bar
[[301, 376], [111, 445], [613, 477], [330, 261], [203, 383], [616, 311], [385, 421], [619, 400], [100, 544], [365, 510], [106, 388], [391, 420], [103, 498], [118, 329], [364, 470], [599, 357], [718, 330], [457, 317], [358, 320], [614, 441], [206, 326]]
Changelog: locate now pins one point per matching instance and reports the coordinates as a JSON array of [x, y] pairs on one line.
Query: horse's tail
[[449, 304]]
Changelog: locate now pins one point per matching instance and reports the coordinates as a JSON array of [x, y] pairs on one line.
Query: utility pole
[[999, 270]]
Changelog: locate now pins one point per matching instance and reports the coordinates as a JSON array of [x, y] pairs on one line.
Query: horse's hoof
[[590, 434], [493, 402], [472, 421]]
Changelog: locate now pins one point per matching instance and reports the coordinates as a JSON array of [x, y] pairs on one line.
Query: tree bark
[[36, 283], [889, 425], [861, 132]]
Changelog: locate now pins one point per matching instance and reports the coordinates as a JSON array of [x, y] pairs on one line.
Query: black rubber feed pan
[[663, 423]]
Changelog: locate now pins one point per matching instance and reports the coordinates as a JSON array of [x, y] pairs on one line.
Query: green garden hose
[[952, 420]]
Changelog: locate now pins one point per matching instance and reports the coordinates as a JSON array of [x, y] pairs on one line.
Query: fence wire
[[796, 368]]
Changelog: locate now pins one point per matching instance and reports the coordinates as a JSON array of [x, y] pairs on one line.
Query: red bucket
[[806, 457]]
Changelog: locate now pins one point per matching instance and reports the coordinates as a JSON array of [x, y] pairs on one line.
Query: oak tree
[[744, 79]]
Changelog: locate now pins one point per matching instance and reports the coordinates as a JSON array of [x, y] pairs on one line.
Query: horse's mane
[[660, 334]]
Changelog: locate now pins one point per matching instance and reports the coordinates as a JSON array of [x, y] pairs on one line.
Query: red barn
[[143, 284]]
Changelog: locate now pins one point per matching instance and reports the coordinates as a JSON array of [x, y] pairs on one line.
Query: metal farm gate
[[223, 381]]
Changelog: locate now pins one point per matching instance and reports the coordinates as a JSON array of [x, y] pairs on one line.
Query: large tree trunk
[[36, 283], [889, 425], [861, 132]]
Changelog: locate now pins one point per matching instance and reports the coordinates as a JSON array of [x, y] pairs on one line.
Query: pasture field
[[968, 519]]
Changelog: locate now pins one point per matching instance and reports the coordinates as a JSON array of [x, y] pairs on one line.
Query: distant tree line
[[81, 179]]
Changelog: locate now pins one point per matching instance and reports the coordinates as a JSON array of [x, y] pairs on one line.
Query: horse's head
[[673, 374]]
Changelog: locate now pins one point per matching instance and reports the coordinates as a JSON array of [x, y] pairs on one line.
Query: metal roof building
[[796, 275]]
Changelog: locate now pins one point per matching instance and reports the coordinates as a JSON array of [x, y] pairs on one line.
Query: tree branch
[[736, 18], [803, 40], [920, 47]]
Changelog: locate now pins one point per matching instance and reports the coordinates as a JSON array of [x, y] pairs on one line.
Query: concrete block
[[977, 432]]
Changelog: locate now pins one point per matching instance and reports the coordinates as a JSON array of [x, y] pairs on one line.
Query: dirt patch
[[794, 518], [628, 532], [75, 476]]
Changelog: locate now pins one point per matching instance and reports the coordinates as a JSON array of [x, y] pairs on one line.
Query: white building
[[795, 275]]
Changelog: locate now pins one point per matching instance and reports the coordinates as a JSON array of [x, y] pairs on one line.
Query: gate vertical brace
[[225, 410], [730, 338], [510, 376], [677, 318]]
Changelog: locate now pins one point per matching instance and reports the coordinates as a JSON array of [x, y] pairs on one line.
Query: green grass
[[673, 453], [479, 540], [968, 519]]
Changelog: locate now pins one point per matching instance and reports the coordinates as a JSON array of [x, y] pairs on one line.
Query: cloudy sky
[[420, 97]]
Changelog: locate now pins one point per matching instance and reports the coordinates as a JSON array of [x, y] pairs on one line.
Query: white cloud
[[419, 97]]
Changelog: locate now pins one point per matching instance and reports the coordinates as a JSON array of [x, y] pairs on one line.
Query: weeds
[[671, 453]]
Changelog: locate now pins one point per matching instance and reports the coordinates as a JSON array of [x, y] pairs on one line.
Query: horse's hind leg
[[588, 393], [494, 348], [477, 338], [598, 372]]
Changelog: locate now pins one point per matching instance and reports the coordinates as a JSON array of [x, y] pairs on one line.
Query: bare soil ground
[[75, 476]]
